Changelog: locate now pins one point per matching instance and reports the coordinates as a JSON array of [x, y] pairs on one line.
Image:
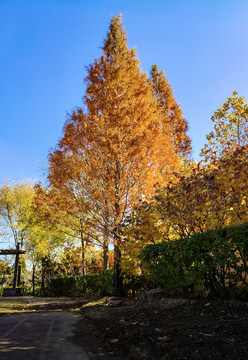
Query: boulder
[[116, 303], [151, 294]]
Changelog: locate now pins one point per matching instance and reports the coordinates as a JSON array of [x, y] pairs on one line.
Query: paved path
[[39, 336], [36, 300]]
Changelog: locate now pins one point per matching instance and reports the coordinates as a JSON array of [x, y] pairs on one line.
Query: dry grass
[[12, 306]]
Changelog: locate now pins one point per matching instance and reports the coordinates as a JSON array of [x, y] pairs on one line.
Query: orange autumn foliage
[[117, 150], [171, 113]]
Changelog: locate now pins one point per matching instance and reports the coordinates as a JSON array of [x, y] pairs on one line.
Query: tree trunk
[[76, 286], [42, 276], [75, 278], [106, 238], [83, 247], [19, 275], [16, 265], [105, 244], [117, 291], [33, 279], [105, 254]]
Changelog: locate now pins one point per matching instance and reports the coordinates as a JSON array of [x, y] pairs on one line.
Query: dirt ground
[[166, 328], [160, 328]]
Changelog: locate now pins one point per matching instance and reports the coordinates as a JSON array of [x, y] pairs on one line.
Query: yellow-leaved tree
[[16, 210], [230, 128]]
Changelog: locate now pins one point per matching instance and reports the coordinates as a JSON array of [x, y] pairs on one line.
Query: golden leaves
[[230, 128]]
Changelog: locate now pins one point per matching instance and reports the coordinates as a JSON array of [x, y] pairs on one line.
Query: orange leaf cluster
[[122, 145]]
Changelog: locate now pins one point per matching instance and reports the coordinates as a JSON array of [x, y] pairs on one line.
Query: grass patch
[[12, 306], [98, 302]]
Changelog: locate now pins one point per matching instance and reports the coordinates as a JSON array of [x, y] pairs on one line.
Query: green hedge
[[132, 284], [93, 284], [212, 264]]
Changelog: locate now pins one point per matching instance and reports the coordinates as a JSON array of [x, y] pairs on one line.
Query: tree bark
[[33, 279], [83, 247], [117, 291], [106, 240], [42, 276], [105, 254], [19, 275]]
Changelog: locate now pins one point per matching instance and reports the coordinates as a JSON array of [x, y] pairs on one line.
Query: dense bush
[[212, 264], [93, 284], [132, 284]]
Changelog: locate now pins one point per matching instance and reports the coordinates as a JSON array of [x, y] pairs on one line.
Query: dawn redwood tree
[[116, 151], [171, 113]]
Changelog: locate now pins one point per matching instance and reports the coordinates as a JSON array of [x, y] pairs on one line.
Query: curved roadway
[[44, 335]]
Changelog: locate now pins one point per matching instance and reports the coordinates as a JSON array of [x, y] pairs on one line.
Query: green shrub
[[214, 263], [91, 284], [94, 284], [60, 286], [136, 283]]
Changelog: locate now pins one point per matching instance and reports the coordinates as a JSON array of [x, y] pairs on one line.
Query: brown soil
[[165, 328]]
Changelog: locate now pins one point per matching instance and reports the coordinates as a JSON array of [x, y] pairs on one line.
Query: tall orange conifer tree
[[117, 151], [172, 115]]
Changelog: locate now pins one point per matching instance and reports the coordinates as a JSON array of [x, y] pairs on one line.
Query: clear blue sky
[[45, 45]]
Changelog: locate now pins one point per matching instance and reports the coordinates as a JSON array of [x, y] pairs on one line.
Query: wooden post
[[16, 252], [16, 265], [19, 276]]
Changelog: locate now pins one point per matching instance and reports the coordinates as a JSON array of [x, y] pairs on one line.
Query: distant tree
[[5, 271], [117, 151], [42, 241], [16, 210], [66, 212], [230, 128]]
